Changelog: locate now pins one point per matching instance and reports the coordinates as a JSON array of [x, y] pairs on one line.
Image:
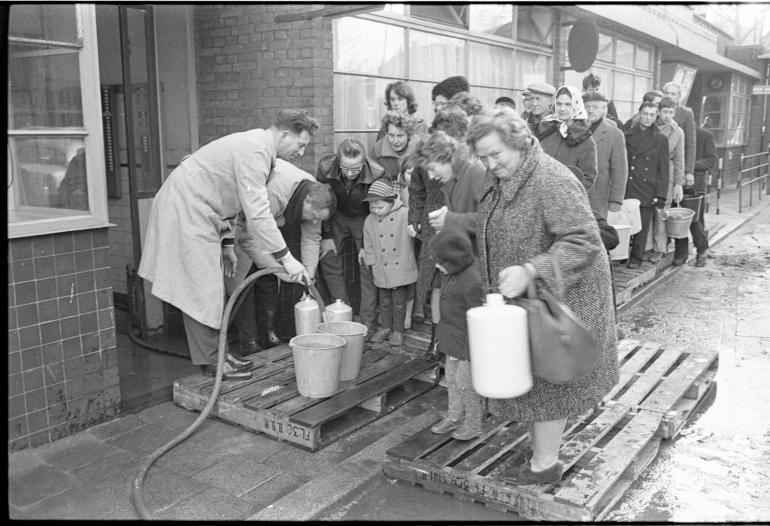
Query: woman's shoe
[[272, 338], [466, 432], [524, 475], [396, 339], [445, 426]]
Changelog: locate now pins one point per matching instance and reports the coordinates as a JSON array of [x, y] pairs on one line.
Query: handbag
[[561, 348]]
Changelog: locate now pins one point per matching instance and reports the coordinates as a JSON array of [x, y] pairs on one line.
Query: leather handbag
[[561, 347]]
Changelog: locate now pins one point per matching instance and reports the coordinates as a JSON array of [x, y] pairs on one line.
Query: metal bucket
[[353, 333], [678, 222], [317, 361], [624, 237], [693, 203]]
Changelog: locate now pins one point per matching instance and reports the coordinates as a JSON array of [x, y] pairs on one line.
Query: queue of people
[[484, 200]]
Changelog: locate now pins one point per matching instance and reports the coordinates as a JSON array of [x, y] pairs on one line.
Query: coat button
[[394, 248], [391, 235], [381, 235], [633, 167], [396, 262], [383, 250], [391, 219]]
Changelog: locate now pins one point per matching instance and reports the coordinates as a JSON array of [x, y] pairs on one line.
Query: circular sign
[[583, 44]]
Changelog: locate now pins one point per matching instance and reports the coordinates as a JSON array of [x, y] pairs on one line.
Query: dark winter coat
[[541, 215], [349, 203], [424, 197], [705, 159], [612, 168], [384, 155], [577, 151], [459, 292], [461, 195], [647, 164]]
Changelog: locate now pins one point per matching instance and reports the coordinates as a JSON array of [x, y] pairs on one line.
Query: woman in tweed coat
[[534, 213]]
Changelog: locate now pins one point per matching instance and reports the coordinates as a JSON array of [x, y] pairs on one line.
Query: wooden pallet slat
[[269, 401], [603, 451]]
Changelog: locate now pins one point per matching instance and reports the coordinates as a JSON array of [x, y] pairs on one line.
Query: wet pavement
[[717, 468]]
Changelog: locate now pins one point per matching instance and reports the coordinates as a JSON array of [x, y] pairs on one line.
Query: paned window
[[56, 179], [402, 42], [726, 113]]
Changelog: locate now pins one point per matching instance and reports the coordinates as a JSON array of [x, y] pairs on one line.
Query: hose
[[235, 301]]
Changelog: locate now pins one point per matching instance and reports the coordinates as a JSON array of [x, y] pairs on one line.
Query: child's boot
[[445, 426]]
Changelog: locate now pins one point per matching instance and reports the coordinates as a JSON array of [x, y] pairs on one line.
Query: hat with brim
[[542, 88], [593, 95], [380, 190]]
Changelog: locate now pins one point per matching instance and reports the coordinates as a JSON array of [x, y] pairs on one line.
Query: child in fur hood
[[461, 290]]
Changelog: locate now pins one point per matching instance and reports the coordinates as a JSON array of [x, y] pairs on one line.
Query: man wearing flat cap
[[542, 103], [612, 165]]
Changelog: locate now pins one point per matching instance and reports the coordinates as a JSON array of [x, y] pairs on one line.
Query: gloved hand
[[296, 271], [229, 260], [678, 192], [327, 245]]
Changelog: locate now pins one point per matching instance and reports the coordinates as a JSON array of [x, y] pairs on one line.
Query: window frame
[[91, 133]]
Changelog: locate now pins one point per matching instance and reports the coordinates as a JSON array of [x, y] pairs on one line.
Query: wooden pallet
[[270, 403], [603, 451]]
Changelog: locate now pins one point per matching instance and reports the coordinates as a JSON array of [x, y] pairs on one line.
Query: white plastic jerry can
[[306, 315], [339, 311], [499, 346]]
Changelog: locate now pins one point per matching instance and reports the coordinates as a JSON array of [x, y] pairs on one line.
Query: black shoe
[[229, 372], [700, 260], [241, 364], [250, 347], [632, 263], [679, 261]]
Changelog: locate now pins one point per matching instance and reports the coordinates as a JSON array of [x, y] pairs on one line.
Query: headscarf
[[575, 129]]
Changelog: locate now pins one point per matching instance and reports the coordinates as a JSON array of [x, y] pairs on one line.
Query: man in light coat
[[190, 239], [685, 118], [609, 189]]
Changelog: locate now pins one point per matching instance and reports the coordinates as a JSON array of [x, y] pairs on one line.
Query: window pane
[[492, 19], [453, 15], [643, 58], [532, 68], [625, 54], [44, 86], [624, 87], [491, 65], [57, 22], [367, 47], [359, 102], [535, 24], [49, 171], [641, 86], [605, 48], [435, 57], [487, 96], [625, 110], [396, 9]]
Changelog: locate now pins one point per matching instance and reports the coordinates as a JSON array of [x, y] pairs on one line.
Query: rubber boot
[[433, 353]]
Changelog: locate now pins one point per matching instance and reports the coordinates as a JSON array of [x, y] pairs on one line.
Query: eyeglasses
[[350, 170]]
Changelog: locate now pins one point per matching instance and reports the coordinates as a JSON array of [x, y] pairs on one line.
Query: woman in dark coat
[[534, 217], [565, 135]]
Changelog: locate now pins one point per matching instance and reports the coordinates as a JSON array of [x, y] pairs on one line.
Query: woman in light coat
[[534, 217], [189, 240]]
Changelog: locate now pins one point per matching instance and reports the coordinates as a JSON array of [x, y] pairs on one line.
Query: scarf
[[578, 112]]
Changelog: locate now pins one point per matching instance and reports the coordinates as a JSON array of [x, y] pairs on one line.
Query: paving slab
[[38, 483], [77, 503], [209, 505], [72, 452], [237, 475]]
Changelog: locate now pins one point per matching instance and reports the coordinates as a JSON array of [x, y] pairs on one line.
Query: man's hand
[[513, 281], [678, 192], [689, 179], [615, 207], [412, 231], [361, 257], [296, 271], [327, 245], [229, 259]]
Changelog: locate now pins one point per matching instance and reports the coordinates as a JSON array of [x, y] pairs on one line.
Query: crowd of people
[[481, 199]]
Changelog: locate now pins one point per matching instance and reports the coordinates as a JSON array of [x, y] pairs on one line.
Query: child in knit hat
[[461, 290], [389, 250]]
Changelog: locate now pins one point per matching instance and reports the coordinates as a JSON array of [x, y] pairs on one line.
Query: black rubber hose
[[136, 488]]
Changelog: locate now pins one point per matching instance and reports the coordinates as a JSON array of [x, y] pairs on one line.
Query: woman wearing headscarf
[[565, 135]]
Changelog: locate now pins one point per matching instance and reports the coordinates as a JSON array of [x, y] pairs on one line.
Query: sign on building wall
[[760, 89], [684, 75]]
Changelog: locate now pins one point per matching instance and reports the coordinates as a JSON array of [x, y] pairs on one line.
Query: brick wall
[[249, 67], [62, 355]]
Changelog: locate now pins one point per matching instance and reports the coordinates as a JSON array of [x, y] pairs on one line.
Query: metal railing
[[756, 174]]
